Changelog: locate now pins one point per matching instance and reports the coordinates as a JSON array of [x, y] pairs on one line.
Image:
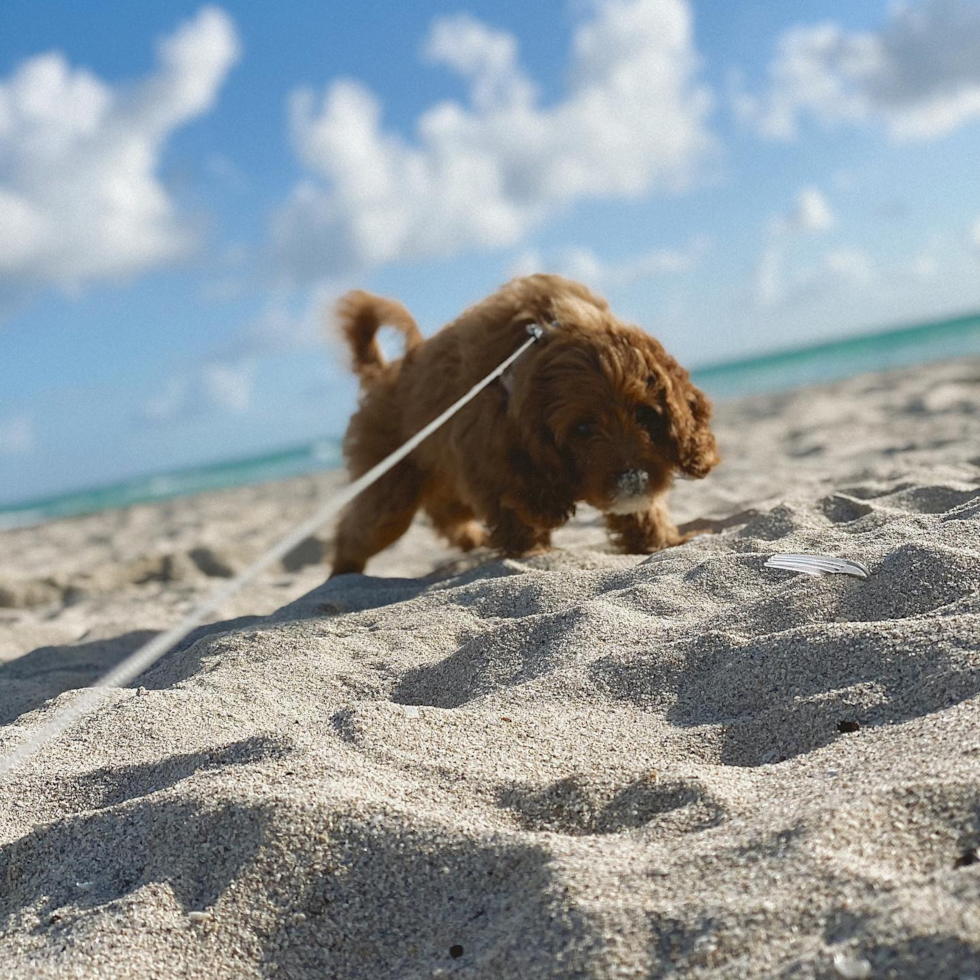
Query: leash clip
[[537, 331]]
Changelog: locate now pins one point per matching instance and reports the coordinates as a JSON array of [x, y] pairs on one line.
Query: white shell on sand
[[851, 967]]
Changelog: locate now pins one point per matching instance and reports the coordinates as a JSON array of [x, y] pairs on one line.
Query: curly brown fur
[[596, 411]]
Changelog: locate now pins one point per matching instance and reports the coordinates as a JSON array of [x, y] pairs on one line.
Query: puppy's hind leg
[[376, 518]]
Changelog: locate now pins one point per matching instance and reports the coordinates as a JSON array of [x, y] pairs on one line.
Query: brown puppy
[[595, 411]]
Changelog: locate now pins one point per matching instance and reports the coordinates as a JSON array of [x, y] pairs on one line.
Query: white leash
[[151, 652]]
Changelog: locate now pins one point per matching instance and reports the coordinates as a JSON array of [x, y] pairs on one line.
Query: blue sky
[[185, 188]]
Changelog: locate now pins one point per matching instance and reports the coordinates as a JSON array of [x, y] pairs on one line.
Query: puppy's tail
[[360, 316]]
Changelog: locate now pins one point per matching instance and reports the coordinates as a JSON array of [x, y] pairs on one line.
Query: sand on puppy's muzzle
[[632, 483], [632, 493]]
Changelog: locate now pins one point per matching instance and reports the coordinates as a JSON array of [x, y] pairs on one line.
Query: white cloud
[[919, 75], [811, 214], [484, 57], [230, 385], [17, 435], [80, 198], [289, 323], [526, 263], [585, 265], [481, 175], [839, 271], [975, 234], [225, 386]]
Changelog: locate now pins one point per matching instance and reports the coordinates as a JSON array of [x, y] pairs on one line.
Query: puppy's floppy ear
[[690, 415], [515, 379], [529, 409]]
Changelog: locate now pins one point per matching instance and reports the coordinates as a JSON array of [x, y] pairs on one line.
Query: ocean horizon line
[[318, 455], [844, 341]]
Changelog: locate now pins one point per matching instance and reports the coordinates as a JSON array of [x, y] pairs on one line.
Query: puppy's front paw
[[685, 533], [529, 552], [515, 539], [645, 532], [469, 536]]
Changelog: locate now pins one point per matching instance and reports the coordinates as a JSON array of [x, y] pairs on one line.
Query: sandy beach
[[580, 765]]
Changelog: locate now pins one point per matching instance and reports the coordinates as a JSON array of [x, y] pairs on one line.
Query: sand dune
[[579, 765]]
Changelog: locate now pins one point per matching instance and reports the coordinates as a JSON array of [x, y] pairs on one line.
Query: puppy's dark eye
[[651, 420], [583, 428]]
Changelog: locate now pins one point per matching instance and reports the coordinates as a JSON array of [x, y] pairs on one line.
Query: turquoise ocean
[[782, 370]]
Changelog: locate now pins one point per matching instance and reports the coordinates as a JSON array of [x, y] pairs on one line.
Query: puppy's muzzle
[[632, 493]]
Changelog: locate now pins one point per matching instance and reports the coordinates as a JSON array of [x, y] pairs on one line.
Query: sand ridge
[[579, 765]]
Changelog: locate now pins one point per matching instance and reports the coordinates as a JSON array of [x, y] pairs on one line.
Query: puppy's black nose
[[633, 483]]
